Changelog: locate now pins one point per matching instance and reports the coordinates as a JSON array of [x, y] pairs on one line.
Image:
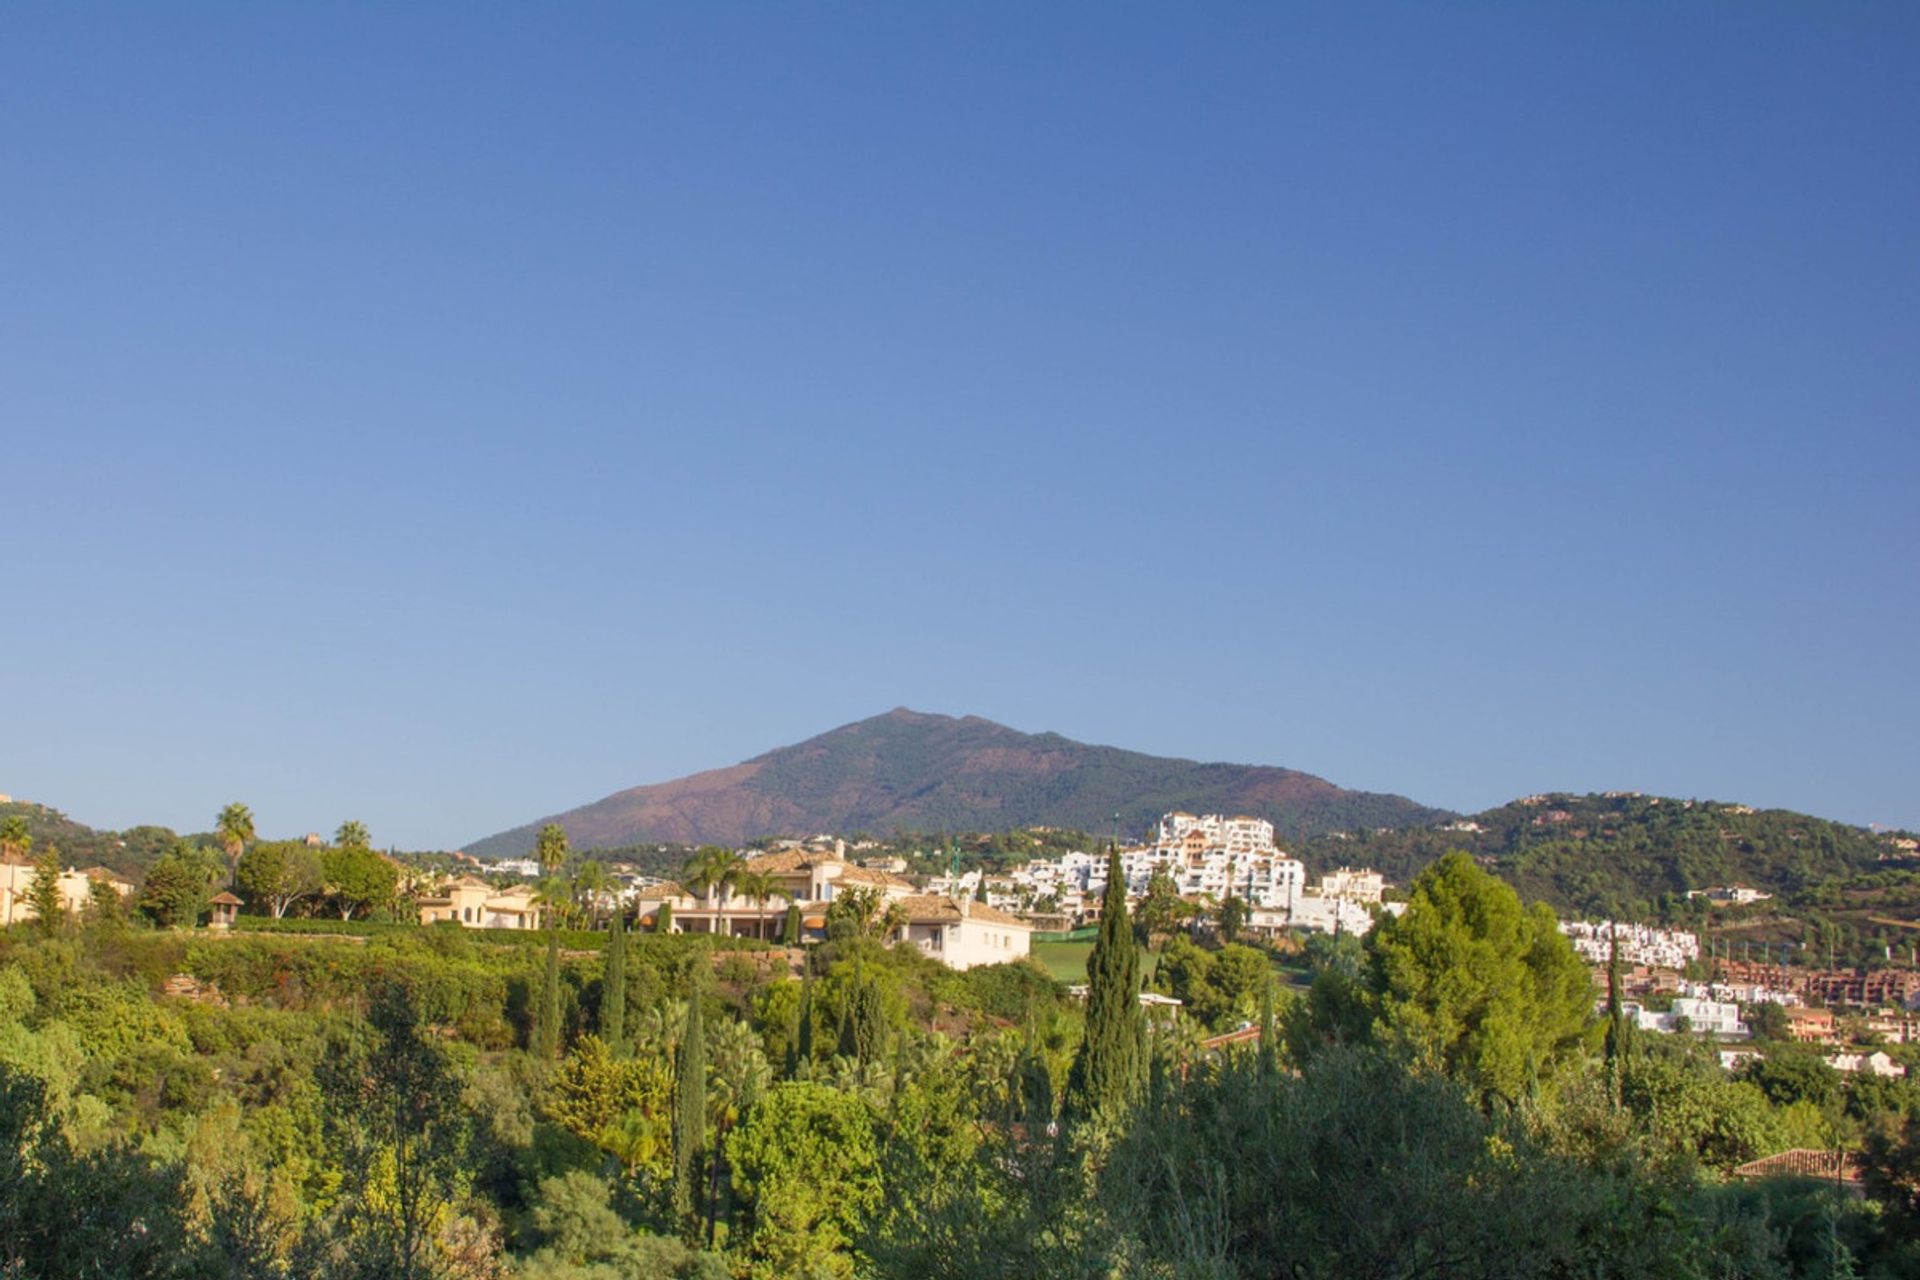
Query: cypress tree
[[790, 933], [1106, 1072], [663, 918], [1616, 1022], [613, 1003], [1269, 1051], [803, 1038], [546, 1031], [689, 1114], [49, 909]]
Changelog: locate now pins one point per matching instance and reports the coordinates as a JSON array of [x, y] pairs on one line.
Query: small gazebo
[[225, 908]]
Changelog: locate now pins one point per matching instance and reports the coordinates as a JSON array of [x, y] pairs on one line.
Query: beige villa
[[960, 932], [16, 881], [471, 901]]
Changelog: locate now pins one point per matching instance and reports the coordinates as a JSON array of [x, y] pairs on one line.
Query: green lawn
[[1067, 961]]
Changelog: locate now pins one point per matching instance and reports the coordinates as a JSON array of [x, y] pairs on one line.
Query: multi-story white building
[[1639, 943], [1238, 834], [1354, 885], [1704, 1017]]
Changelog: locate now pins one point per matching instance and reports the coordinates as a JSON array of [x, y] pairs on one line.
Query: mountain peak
[[920, 771]]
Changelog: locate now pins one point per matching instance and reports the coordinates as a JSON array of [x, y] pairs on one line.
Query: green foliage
[[357, 879], [550, 848], [393, 1111], [275, 874], [1357, 1168], [790, 928], [43, 892], [689, 1113], [1221, 988], [619, 1104], [67, 1214], [546, 1035], [1108, 1070], [179, 886], [613, 1001], [808, 1162], [582, 1237], [1470, 982], [1622, 857]]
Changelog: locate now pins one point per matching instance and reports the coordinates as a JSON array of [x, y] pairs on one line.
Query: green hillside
[[1637, 857], [128, 852]]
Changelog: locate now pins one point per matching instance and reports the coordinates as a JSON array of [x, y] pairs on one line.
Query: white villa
[[958, 931]]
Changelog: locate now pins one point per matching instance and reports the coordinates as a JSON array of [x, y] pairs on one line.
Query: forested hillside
[[128, 852], [1634, 856]]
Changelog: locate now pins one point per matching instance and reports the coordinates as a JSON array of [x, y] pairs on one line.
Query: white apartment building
[[1704, 1017], [1355, 885], [1238, 834], [1639, 943]]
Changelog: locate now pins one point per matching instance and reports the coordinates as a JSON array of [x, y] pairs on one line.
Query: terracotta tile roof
[[225, 899], [785, 860], [932, 908], [994, 915], [1804, 1162], [866, 875], [661, 892]]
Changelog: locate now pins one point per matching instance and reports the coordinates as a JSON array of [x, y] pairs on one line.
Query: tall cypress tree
[[1269, 1051], [613, 1000], [803, 1036], [546, 1031], [663, 918], [1616, 1022], [790, 932], [689, 1114], [1106, 1071]]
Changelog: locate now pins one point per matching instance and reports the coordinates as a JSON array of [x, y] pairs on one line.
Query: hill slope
[[1623, 853], [923, 772]]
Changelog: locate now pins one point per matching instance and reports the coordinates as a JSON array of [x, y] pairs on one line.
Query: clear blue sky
[[445, 415]]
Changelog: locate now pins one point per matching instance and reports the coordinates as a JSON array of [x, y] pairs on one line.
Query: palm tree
[[550, 848], [353, 835], [712, 867], [756, 886], [235, 829], [590, 882]]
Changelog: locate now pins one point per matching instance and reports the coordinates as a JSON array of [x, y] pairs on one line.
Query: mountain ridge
[[906, 769]]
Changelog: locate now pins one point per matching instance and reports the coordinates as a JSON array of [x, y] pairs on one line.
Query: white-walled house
[[963, 933]]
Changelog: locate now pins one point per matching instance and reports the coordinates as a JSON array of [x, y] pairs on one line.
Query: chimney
[[966, 907]]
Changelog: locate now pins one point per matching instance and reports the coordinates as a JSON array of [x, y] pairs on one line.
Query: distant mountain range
[[907, 770]]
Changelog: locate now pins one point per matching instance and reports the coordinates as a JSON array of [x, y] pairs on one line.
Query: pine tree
[[44, 891], [613, 999], [689, 1115], [1106, 1071], [546, 1031]]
